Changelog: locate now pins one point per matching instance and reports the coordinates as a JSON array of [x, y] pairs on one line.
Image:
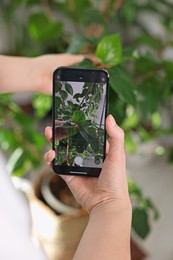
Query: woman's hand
[[107, 235], [110, 189], [46, 64]]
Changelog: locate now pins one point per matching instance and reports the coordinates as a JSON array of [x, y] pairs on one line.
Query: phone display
[[79, 111]]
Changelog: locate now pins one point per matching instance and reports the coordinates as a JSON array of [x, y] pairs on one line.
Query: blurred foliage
[[19, 137], [130, 40], [142, 209]]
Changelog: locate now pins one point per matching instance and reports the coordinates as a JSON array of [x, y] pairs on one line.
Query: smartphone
[[80, 100]]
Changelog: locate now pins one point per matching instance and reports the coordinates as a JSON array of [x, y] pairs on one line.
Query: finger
[[93, 58], [48, 133], [115, 159], [116, 140], [49, 156], [107, 147], [114, 168], [73, 59]]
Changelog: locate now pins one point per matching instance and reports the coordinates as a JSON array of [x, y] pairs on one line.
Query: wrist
[[107, 235], [43, 74], [37, 77], [117, 219], [113, 207]]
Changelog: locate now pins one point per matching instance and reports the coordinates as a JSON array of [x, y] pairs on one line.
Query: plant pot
[[137, 252], [57, 195], [58, 230]]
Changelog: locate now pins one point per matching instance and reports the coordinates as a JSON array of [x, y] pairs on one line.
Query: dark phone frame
[[78, 75]]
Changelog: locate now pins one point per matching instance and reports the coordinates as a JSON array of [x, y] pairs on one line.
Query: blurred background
[[133, 40]]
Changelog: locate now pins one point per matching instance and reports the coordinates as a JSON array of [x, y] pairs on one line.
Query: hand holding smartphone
[[80, 98]]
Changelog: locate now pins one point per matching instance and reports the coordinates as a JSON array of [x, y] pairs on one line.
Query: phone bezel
[[78, 75]]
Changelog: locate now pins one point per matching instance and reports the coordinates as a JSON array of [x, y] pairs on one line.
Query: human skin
[[21, 74], [107, 235]]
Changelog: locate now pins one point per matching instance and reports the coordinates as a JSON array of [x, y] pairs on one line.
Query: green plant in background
[[19, 137], [126, 40], [142, 207]]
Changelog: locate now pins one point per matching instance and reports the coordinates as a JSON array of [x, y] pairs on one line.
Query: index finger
[[48, 133]]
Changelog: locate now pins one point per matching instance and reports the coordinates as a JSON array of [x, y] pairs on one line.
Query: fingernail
[[112, 121], [46, 129]]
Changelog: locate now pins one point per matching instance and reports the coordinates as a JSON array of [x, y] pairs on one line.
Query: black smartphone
[[80, 100]]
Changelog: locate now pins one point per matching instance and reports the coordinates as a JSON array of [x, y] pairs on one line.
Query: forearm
[[17, 74], [107, 236], [32, 74]]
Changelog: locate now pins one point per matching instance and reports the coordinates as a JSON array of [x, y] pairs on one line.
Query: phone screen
[[80, 109]]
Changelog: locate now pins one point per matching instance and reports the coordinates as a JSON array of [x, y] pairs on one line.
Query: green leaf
[[109, 50], [122, 84], [4, 98], [129, 54], [23, 119], [16, 160], [148, 204], [78, 117], [76, 44], [69, 88], [64, 94], [148, 40], [77, 96], [130, 143], [86, 63], [92, 140], [133, 188], [146, 64], [57, 86], [131, 121], [117, 107], [140, 222], [149, 96], [42, 30], [58, 101], [71, 131], [42, 104]]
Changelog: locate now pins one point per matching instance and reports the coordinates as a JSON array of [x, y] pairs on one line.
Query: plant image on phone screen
[[79, 124]]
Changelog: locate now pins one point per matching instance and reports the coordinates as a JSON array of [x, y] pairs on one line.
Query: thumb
[[115, 162], [116, 140]]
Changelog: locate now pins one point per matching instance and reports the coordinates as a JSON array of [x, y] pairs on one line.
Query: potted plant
[[59, 221]]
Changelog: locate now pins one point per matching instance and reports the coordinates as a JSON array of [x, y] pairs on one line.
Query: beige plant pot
[[59, 234]]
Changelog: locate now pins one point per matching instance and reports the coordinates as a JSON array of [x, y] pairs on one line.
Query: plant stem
[[67, 151], [85, 96]]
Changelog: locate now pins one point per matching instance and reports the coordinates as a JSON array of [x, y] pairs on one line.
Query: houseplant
[[58, 219], [134, 54]]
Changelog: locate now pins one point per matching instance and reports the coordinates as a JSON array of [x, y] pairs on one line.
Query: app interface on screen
[[79, 123]]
